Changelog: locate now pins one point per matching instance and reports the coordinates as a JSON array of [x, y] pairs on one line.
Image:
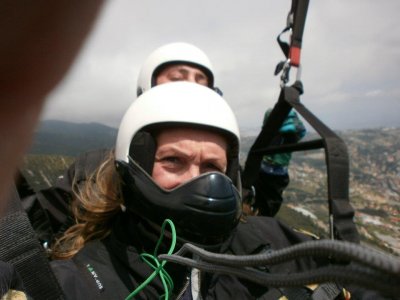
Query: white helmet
[[171, 54], [176, 102], [204, 209]]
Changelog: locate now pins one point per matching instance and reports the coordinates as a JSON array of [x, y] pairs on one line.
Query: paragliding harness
[[341, 213]]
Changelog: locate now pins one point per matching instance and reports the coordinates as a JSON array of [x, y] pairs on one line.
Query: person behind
[[177, 61], [266, 196], [174, 159]]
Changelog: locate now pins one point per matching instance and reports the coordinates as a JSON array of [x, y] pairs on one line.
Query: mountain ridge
[[71, 139]]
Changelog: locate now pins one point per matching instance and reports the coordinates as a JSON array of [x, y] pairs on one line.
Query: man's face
[[184, 153], [182, 72]]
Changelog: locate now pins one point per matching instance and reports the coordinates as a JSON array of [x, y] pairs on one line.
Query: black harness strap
[[19, 246], [341, 213], [337, 160]]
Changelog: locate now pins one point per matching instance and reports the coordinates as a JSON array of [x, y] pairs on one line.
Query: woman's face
[[184, 153]]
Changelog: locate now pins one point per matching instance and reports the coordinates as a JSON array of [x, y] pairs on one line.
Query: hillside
[[374, 176], [374, 185], [65, 138]]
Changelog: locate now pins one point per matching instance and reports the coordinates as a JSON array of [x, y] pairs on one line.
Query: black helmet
[[206, 208]]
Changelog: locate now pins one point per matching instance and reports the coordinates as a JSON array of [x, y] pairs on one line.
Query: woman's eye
[[173, 160], [175, 77], [214, 167], [172, 163]]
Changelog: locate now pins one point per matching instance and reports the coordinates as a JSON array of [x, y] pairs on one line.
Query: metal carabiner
[[285, 73], [286, 70], [298, 73]]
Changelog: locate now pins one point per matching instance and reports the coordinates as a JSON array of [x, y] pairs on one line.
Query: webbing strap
[[20, 246], [337, 161], [340, 210], [296, 21], [326, 291], [300, 12]]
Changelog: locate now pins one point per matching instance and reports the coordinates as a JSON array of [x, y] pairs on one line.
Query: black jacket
[[112, 269]]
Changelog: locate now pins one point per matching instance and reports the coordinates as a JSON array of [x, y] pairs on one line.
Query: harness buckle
[[286, 70]]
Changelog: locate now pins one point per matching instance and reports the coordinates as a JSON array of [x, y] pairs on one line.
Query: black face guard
[[204, 209]]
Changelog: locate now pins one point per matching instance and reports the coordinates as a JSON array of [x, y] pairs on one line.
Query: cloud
[[350, 57], [373, 93]]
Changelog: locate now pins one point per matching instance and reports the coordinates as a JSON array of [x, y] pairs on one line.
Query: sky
[[350, 58]]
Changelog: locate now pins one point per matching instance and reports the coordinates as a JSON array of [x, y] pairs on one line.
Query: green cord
[[158, 266]]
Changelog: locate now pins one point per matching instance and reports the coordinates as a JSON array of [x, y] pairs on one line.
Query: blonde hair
[[94, 208]]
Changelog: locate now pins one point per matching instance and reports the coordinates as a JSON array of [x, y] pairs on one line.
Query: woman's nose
[[191, 172]]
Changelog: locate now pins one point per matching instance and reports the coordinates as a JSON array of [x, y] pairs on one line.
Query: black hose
[[369, 268], [343, 274], [334, 249]]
